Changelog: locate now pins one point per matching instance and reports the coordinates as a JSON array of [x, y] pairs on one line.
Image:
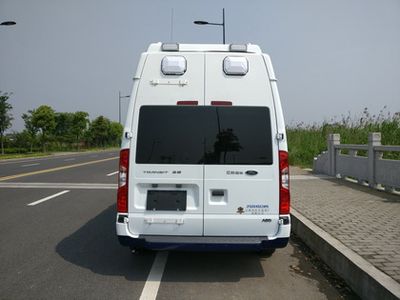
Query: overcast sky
[[330, 57]]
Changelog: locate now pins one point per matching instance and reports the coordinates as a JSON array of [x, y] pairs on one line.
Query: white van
[[204, 162]]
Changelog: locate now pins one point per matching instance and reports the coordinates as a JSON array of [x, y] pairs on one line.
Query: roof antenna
[[171, 36]]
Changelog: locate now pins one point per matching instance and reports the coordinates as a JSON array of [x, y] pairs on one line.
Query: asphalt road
[[65, 247]]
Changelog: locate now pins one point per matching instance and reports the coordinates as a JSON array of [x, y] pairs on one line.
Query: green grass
[[22, 155], [307, 141]]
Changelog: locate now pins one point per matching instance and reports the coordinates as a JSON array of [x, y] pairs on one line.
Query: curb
[[365, 279]]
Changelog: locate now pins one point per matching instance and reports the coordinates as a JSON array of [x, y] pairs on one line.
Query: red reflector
[[122, 198], [284, 203], [187, 102], [284, 193], [226, 103], [283, 160]]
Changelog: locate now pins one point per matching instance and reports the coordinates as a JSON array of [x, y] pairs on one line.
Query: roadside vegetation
[[47, 130], [307, 141]]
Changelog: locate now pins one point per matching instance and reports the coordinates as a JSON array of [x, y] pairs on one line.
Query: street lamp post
[[119, 105], [217, 24], [8, 23]]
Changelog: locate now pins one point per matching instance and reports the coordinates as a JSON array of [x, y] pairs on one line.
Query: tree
[[63, 127], [99, 131], [30, 128], [21, 141], [44, 118], [116, 130], [5, 117], [80, 121]]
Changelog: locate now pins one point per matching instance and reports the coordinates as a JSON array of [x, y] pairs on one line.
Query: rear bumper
[[202, 243]]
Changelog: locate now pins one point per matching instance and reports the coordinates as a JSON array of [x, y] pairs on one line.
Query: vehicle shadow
[[94, 246], [212, 266]]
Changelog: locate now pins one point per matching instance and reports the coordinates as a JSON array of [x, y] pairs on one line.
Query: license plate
[[166, 200]]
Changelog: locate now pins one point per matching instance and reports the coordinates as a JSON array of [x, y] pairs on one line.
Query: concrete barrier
[[371, 169]]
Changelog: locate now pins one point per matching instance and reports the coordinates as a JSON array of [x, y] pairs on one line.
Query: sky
[[331, 57]]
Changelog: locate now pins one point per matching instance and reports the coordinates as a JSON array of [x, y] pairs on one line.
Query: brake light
[[222, 103], [284, 193], [122, 198], [187, 102]]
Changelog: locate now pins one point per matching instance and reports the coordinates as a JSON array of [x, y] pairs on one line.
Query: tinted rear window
[[204, 135]]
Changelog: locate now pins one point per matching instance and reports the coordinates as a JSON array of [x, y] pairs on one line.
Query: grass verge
[[307, 141]]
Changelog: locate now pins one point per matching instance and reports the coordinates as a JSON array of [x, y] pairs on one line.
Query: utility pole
[[119, 105]]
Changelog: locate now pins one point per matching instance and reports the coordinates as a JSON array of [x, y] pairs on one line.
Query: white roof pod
[[173, 65]]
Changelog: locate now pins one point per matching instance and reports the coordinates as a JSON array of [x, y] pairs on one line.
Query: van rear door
[[241, 186], [166, 177]]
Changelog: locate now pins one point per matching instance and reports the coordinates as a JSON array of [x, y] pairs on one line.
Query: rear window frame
[[269, 160]]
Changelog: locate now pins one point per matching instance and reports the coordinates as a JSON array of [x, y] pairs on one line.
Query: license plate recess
[[166, 200]]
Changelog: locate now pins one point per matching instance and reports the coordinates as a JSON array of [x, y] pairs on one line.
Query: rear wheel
[[139, 250], [134, 249], [267, 252]]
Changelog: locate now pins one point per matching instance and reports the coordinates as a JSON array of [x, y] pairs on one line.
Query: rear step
[[204, 239]]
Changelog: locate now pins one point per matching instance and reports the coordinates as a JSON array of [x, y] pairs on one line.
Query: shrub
[[307, 141]]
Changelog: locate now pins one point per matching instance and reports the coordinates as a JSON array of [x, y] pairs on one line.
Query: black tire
[[267, 252], [139, 251]]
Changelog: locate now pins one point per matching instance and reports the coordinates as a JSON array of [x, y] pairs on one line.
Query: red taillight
[[221, 103], [284, 193], [122, 198], [187, 102]]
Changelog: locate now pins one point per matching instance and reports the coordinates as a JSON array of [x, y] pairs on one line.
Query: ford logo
[[251, 172]]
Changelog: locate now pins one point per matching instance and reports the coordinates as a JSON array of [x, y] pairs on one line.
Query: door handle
[[218, 193]]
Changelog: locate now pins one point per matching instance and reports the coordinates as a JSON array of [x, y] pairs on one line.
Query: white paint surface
[[47, 198], [113, 173], [153, 281], [30, 165]]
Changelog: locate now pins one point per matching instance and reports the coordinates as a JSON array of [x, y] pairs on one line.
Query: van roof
[[157, 47]]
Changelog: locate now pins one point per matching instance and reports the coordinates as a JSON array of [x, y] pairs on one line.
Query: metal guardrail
[[371, 169]]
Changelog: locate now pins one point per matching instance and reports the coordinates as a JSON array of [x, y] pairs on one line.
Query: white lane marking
[[153, 281], [47, 157], [30, 165], [68, 159], [113, 173], [47, 198], [308, 169]]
